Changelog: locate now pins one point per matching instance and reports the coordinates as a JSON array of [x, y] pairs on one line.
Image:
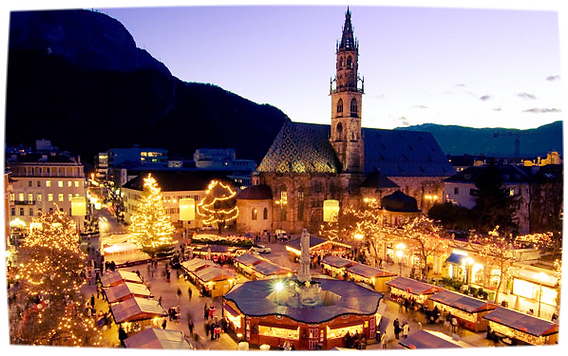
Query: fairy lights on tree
[[151, 228], [219, 205], [51, 275]]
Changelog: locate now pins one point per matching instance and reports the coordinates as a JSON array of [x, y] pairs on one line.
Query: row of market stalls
[[131, 303], [475, 314], [256, 267], [210, 279], [319, 247], [345, 269]]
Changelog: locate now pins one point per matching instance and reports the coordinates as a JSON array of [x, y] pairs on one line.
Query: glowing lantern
[[330, 209], [187, 209]]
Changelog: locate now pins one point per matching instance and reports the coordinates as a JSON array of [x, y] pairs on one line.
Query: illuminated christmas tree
[[151, 228], [51, 274], [219, 205]]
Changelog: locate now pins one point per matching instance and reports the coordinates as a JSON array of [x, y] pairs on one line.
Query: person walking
[[189, 292], [190, 326], [92, 300], [405, 330], [206, 312], [179, 293], [384, 339], [164, 323], [396, 326]]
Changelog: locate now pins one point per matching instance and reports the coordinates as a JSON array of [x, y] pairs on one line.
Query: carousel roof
[[462, 302], [118, 276], [521, 321], [135, 308], [413, 286], [154, 338], [251, 298]]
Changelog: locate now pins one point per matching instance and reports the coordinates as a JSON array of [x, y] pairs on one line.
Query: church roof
[[305, 148], [377, 180], [256, 192], [301, 148], [347, 39]]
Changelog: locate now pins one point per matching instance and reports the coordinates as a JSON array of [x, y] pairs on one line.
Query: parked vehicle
[[260, 249]]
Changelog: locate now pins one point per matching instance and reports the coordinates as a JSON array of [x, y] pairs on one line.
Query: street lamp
[[400, 253]]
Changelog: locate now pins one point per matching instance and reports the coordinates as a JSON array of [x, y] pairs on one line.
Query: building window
[[38, 197], [354, 107], [60, 197], [70, 197], [48, 183], [456, 191], [300, 205], [265, 214], [254, 214], [12, 197], [511, 191], [21, 211], [30, 183], [50, 197], [283, 202], [339, 129], [349, 62], [39, 183], [31, 211], [69, 184], [20, 196], [13, 211], [340, 106], [30, 197], [77, 184], [60, 184]]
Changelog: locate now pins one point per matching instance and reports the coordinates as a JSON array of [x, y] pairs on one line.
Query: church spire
[[347, 40]]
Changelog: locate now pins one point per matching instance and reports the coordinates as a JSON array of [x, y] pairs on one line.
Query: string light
[[219, 204]]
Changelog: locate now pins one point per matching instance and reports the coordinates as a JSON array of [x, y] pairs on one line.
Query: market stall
[[118, 276], [468, 311], [269, 269], [410, 289], [214, 281], [318, 247], [154, 338], [372, 276], [514, 327], [126, 290], [336, 266], [245, 263], [429, 339], [136, 314]]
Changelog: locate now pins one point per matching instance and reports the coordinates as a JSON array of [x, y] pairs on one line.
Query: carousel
[[301, 312]]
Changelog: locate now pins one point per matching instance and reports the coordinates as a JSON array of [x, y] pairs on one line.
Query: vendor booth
[[116, 277], [257, 267], [136, 314], [126, 290], [244, 263], [429, 339], [214, 281], [468, 311], [410, 289], [372, 276], [267, 269], [318, 247], [154, 338], [513, 327], [121, 250], [336, 266]]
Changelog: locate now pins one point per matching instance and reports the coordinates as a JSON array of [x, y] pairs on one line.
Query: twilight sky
[[471, 67]]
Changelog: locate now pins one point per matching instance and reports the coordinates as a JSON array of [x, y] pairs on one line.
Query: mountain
[[496, 142], [77, 78]]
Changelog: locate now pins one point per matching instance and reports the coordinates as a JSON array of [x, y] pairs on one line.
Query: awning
[[455, 258]]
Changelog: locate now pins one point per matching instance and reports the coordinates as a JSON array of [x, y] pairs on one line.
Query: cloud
[[526, 96], [460, 85], [541, 111], [404, 121], [485, 97], [497, 109], [553, 78], [420, 106]]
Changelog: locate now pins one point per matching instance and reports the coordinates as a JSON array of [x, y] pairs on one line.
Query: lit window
[[70, 196], [20, 196], [69, 184], [50, 197], [60, 184], [60, 197], [38, 197], [48, 183], [77, 184], [511, 192], [30, 197], [12, 197], [254, 213]]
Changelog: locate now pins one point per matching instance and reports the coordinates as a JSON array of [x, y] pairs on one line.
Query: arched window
[[300, 204], [340, 106], [349, 62], [339, 131], [340, 62], [283, 202], [354, 107], [254, 214], [265, 214]]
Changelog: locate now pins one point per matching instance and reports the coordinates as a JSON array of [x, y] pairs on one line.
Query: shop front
[[516, 328], [468, 311], [336, 266], [372, 276], [407, 289]]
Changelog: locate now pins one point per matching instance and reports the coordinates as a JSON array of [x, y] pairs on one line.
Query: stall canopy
[[315, 242], [427, 339], [455, 258], [337, 262], [368, 271], [213, 274], [248, 259], [135, 309], [116, 277], [196, 264], [412, 286], [157, 339], [523, 322], [462, 302], [125, 290], [268, 268]]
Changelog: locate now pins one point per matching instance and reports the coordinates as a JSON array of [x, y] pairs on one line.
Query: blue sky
[[472, 67]]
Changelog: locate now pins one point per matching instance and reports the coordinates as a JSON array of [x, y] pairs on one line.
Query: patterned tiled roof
[[305, 148], [301, 148]]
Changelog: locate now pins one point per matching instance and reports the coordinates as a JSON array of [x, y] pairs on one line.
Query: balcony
[[24, 202]]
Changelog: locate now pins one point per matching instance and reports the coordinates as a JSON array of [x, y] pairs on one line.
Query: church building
[[309, 163]]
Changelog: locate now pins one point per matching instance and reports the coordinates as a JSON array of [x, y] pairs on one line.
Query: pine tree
[[219, 205], [51, 274], [151, 228]]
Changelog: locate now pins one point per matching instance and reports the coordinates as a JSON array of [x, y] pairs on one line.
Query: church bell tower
[[346, 100]]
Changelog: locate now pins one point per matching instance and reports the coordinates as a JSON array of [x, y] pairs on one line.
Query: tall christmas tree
[[151, 228], [51, 275], [219, 205]]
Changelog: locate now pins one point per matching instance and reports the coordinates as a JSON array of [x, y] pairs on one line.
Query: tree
[[219, 205], [452, 216], [52, 273], [494, 206], [151, 228]]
